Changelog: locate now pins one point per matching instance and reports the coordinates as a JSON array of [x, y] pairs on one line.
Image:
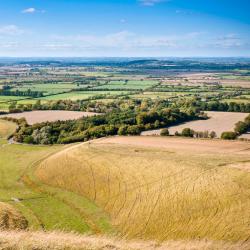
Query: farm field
[[81, 95], [159, 188], [33, 117], [48, 88], [218, 122], [128, 85]]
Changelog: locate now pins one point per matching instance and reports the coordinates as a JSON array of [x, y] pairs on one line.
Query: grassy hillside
[[174, 189], [42, 209]]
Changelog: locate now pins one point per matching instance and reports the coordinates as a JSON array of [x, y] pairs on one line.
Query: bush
[[241, 128], [187, 132], [228, 136], [212, 135], [177, 133], [164, 132]]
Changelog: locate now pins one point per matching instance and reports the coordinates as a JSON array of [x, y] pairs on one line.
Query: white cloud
[[29, 10], [32, 11], [152, 2], [228, 41], [10, 30], [123, 40]]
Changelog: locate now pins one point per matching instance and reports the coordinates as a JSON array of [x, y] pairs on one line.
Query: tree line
[[28, 92], [126, 122]]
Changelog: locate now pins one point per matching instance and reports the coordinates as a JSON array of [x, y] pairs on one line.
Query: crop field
[[217, 122], [50, 115], [158, 188], [49, 88]]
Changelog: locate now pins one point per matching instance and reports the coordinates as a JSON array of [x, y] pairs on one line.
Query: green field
[[135, 85], [81, 95], [48, 88]]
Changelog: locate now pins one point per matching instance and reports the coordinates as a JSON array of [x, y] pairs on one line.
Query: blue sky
[[124, 28]]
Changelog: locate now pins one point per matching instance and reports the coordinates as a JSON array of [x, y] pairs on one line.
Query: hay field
[[57, 240], [218, 122], [160, 188], [50, 115]]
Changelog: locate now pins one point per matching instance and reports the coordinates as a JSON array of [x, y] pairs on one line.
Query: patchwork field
[[159, 188], [218, 122], [50, 115]]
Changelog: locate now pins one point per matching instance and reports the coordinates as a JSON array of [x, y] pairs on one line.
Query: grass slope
[[43, 208], [57, 240], [164, 192], [6, 128]]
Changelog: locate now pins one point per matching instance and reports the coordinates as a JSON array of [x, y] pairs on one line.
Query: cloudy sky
[[124, 28]]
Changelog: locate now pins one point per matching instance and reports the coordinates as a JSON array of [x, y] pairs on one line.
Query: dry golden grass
[[160, 192], [10, 218], [13, 240], [6, 128]]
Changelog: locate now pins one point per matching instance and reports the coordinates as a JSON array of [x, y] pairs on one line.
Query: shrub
[[212, 135], [228, 135], [164, 132], [187, 132]]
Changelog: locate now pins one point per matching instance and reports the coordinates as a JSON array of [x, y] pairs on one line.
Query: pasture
[[218, 122], [159, 188], [135, 85], [82, 95], [33, 117]]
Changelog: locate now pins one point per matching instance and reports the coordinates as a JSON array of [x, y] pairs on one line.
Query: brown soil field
[[159, 188], [58, 240], [182, 144], [50, 115], [218, 122]]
